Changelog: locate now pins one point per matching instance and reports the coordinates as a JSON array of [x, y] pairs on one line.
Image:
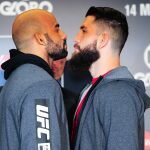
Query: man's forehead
[[49, 19], [88, 21], [55, 23]]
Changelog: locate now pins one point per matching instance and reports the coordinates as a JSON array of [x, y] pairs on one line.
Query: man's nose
[[63, 35]]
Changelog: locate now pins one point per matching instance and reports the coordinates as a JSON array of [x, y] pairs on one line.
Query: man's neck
[[102, 66]]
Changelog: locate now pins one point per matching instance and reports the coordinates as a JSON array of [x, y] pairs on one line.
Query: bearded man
[[32, 115], [110, 113]]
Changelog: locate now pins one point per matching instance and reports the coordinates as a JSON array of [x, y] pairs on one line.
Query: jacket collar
[[18, 58]]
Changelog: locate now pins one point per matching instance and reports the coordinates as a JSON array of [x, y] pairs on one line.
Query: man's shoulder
[[28, 74], [117, 89], [30, 70], [25, 78], [114, 84]]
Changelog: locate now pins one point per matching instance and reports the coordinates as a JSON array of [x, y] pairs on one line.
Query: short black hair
[[113, 19]]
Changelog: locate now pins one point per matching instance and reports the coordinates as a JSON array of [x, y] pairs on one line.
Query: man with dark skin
[[32, 114]]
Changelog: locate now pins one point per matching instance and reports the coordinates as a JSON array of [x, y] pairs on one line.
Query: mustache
[[65, 43]]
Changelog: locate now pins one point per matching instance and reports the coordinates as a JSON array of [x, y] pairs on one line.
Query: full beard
[[83, 60], [54, 50]]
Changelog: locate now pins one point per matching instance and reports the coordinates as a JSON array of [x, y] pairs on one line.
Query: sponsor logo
[[147, 140], [43, 130], [8, 8], [145, 77]]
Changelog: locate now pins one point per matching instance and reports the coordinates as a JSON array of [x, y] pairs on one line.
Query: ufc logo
[[43, 127]]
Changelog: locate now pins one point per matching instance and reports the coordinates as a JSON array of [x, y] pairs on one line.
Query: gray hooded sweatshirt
[[113, 118], [32, 115]]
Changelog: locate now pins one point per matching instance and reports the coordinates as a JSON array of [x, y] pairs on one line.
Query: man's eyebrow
[[57, 25], [82, 27]]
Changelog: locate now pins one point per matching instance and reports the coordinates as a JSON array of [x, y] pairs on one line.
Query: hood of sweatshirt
[[123, 74], [18, 58]]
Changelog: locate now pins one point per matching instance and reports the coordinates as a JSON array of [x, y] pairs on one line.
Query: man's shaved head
[[37, 32], [29, 23]]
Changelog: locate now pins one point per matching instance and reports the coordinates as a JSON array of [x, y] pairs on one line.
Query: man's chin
[[83, 60], [56, 56]]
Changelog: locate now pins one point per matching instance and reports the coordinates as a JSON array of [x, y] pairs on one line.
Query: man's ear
[[40, 38], [103, 40]]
